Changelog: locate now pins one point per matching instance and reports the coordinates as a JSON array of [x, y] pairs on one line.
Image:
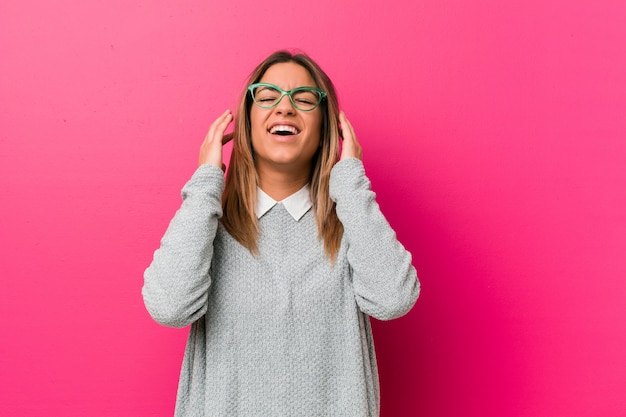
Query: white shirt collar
[[296, 204]]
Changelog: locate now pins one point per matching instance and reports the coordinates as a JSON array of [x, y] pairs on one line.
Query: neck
[[281, 184]]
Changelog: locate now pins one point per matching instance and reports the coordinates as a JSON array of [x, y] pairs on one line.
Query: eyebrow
[[265, 87], [274, 86]]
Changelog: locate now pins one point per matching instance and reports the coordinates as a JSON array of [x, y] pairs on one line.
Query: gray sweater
[[284, 333]]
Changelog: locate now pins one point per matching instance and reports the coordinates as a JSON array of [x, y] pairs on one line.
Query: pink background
[[494, 133]]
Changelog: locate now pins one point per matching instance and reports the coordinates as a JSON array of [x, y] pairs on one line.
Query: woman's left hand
[[350, 148]]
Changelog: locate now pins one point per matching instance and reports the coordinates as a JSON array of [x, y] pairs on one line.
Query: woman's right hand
[[211, 149]]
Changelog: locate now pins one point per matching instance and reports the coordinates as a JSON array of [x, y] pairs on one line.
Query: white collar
[[296, 204]]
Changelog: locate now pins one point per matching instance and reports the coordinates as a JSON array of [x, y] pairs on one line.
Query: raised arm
[[384, 280], [177, 282]]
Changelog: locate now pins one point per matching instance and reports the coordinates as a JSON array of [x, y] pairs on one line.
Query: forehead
[[288, 75]]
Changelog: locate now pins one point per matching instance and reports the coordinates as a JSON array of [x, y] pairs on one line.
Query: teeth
[[284, 129]]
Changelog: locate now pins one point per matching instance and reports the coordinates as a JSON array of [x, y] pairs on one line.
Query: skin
[[283, 163]]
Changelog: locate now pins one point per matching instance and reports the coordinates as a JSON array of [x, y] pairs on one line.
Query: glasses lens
[[266, 96], [306, 99]]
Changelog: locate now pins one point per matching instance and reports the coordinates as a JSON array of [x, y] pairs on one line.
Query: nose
[[284, 106]]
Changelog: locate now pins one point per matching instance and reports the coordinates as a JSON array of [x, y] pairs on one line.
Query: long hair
[[239, 198]]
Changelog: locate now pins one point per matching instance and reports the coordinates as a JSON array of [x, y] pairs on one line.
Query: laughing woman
[[278, 267]]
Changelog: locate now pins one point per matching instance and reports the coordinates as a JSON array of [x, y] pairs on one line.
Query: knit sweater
[[286, 332]]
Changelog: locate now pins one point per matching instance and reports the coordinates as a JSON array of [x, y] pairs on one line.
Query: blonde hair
[[240, 194]]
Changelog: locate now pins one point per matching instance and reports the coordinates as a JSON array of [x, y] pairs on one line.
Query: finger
[[349, 128], [211, 149], [219, 126], [344, 125], [350, 147]]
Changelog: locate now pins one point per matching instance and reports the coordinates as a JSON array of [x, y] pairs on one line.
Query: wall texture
[[494, 134]]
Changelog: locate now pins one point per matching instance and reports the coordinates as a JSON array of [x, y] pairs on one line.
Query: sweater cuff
[[207, 181], [346, 177]]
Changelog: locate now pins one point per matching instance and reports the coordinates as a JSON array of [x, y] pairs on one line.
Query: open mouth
[[284, 130]]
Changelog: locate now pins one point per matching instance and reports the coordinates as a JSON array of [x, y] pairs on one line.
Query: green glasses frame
[[321, 95]]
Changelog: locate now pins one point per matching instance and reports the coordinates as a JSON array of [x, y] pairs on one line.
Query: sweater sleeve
[[177, 282], [384, 280]]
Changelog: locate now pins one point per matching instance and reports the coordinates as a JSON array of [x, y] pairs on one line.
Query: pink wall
[[494, 133]]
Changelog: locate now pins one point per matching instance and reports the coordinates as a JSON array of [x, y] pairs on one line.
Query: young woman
[[278, 268]]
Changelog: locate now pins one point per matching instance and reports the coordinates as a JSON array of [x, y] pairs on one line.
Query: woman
[[278, 268]]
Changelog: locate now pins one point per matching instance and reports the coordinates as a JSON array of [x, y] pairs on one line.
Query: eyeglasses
[[268, 96]]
